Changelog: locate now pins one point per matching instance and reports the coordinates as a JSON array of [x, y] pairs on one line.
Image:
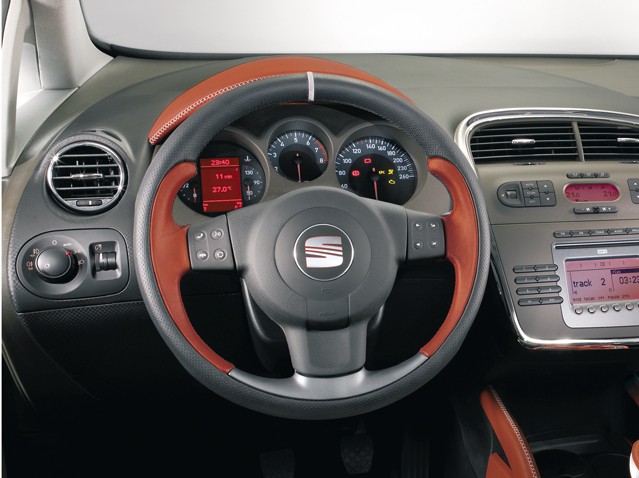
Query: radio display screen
[[221, 184], [591, 192], [602, 280]]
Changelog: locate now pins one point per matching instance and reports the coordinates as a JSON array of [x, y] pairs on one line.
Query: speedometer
[[377, 168]]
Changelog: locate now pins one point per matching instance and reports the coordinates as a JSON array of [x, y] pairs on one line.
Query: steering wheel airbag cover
[[186, 143]]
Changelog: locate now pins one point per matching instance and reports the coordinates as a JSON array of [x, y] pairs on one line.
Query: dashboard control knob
[[56, 265], [105, 261]]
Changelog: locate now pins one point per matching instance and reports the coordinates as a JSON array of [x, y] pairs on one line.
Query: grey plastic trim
[[93, 209], [471, 123], [315, 388], [534, 342]]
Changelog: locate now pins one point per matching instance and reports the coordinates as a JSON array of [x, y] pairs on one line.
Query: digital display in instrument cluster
[[591, 192], [221, 184], [600, 280]]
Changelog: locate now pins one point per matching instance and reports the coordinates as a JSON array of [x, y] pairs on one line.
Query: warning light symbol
[[355, 173], [391, 181], [382, 172], [367, 161]]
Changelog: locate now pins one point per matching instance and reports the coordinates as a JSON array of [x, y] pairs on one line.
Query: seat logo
[[323, 252]]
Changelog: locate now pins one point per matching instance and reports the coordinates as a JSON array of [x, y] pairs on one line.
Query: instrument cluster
[[239, 168]]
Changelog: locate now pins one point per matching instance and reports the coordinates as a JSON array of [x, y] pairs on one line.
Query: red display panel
[[591, 192], [602, 280], [221, 184]]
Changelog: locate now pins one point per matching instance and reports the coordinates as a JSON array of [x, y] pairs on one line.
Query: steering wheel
[[320, 262]]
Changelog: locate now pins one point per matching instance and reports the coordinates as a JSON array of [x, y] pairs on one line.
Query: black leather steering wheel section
[[320, 262]]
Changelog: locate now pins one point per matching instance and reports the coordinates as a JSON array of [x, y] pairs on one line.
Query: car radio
[[599, 282]]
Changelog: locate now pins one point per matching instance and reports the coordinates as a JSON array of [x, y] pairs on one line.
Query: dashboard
[[564, 219]]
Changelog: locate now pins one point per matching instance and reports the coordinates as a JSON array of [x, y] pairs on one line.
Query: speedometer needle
[[375, 177]]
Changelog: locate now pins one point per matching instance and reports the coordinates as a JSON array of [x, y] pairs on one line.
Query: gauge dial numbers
[[377, 168], [298, 155], [229, 177]]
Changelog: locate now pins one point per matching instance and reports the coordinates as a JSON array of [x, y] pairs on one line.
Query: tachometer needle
[[375, 185]]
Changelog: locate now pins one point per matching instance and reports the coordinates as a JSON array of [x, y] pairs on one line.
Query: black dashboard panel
[[446, 89]]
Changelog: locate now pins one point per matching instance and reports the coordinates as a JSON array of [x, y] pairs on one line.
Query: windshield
[[493, 27]]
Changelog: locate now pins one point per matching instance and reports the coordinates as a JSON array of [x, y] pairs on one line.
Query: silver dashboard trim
[[536, 343], [471, 123], [462, 139]]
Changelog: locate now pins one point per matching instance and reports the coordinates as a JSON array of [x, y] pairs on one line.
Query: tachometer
[[298, 155], [377, 168]]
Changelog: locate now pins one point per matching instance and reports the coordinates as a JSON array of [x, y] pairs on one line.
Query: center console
[[565, 243]]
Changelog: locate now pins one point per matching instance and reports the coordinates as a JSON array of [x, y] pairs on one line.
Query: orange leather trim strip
[[635, 454], [521, 460], [170, 257], [191, 100], [462, 246], [497, 468]]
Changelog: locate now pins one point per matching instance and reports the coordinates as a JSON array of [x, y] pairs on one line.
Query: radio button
[[579, 310], [526, 280], [528, 291], [629, 306], [523, 269], [580, 233], [549, 289], [599, 232], [562, 234], [552, 278], [618, 232], [604, 308], [545, 267], [591, 309], [529, 302], [551, 300], [633, 230], [616, 307]]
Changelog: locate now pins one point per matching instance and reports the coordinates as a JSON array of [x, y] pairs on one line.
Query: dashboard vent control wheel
[[86, 177]]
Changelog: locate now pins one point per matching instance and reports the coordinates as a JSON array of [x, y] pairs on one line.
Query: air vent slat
[[553, 141], [87, 170], [96, 155], [601, 141]]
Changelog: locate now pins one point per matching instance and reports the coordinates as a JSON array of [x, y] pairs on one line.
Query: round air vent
[[87, 177]]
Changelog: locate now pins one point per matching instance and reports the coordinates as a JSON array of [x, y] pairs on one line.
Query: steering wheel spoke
[[426, 236], [209, 245]]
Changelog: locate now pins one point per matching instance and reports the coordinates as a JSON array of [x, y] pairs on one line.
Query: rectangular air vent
[[530, 141], [609, 142]]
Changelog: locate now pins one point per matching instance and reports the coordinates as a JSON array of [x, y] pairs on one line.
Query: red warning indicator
[[367, 161], [355, 173]]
